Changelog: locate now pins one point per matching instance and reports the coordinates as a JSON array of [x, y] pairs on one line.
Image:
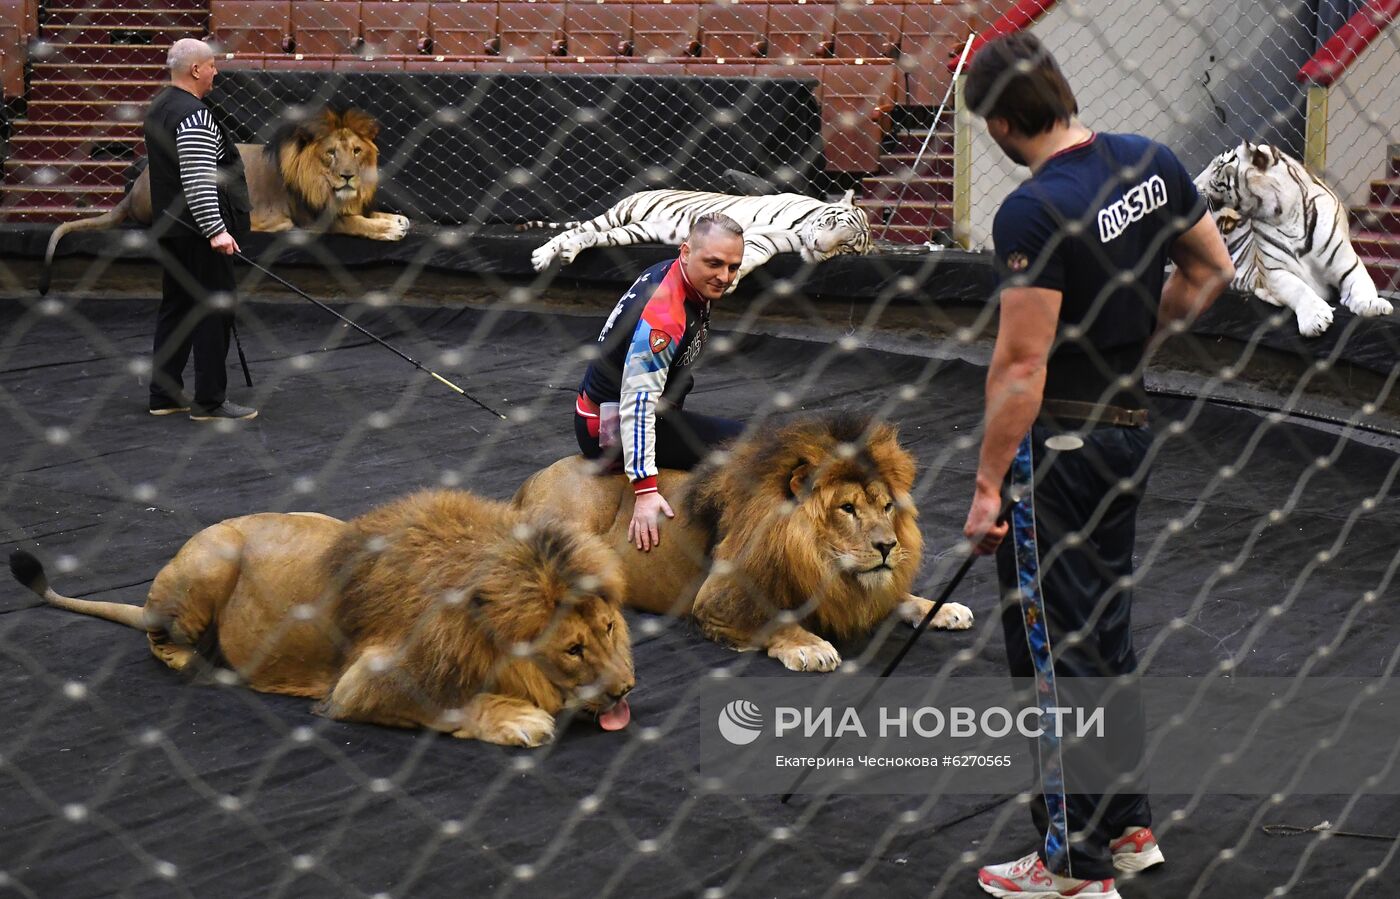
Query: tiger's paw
[[1313, 319], [543, 256], [1367, 306]]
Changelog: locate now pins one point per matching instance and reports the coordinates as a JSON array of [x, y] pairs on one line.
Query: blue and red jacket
[[653, 336]]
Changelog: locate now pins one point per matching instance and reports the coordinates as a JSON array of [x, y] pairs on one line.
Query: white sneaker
[[1136, 851], [1027, 878]]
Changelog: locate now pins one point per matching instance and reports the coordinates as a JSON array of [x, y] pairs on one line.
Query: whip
[[358, 327]]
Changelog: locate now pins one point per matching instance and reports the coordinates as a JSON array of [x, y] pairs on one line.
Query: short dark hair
[[713, 221], [1015, 78]]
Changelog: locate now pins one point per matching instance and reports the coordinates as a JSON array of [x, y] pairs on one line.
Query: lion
[[320, 174], [803, 530], [440, 610]]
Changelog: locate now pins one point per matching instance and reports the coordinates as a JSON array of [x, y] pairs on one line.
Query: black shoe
[[225, 411], [169, 407]]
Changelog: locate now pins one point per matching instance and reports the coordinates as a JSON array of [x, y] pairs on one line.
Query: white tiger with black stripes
[[1287, 235], [777, 223]]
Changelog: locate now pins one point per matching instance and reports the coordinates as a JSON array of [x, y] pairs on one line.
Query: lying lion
[[808, 528], [320, 175], [438, 610]]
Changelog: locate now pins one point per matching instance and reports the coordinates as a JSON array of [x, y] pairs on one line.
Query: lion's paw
[[1314, 318], [396, 227], [525, 727], [818, 656], [954, 616]]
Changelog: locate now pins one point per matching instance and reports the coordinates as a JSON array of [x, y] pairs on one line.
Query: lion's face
[[552, 597], [349, 160], [334, 163], [861, 534]]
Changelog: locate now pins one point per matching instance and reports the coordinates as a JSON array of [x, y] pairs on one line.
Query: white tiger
[[777, 223], [1287, 235]]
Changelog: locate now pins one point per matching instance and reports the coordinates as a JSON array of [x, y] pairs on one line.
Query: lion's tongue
[[617, 717]]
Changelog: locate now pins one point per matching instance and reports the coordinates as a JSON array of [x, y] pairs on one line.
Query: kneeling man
[[629, 406]]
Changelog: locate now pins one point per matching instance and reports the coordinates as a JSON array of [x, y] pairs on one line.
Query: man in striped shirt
[[200, 201]]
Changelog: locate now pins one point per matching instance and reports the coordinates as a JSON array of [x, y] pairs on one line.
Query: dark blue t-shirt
[[1096, 223]]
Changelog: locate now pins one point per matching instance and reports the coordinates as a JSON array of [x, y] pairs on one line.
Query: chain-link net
[[1264, 538]]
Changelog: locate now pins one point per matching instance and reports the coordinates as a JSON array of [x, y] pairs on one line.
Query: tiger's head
[[841, 229], [1254, 180]]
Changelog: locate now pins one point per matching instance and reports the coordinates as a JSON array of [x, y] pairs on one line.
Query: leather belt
[[1072, 411]]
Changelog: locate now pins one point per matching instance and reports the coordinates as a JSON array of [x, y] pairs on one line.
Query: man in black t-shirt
[[1082, 249]]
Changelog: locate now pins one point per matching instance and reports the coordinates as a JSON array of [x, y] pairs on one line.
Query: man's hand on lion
[[982, 529], [644, 530], [224, 243]]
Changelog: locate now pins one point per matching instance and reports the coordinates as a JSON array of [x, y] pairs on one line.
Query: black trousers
[[187, 321], [1080, 623], [683, 439]]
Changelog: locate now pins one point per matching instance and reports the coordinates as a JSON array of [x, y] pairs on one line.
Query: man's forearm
[[1184, 298], [1014, 393]]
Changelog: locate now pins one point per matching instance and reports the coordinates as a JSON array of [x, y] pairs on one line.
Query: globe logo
[[741, 722]]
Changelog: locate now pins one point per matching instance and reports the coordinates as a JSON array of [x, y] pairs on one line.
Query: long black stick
[[894, 662], [384, 343]]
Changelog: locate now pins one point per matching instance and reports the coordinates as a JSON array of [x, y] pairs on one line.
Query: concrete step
[[1376, 245], [69, 91], [934, 165], [911, 141], [1375, 218], [52, 111], [913, 213], [1385, 192], [86, 197], [931, 190], [126, 18], [161, 36], [72, 140], [54, 6], [39, 173], [46, 72], [42, 214], [1386, 274], [97, 55]]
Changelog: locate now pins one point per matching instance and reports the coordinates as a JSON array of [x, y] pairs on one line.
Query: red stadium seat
[[598, 29], [464, 29], [326, 29], [251, 26], [801, 31], [734, 31], [856, 102], [568, 65], [368, 64], [868, 32], [439, 64], [930, 36], [509, 67], [531, 30], [14, 38], [662, 32], [391, 29]]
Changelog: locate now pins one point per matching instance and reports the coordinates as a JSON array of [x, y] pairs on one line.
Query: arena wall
[[1199, 78], [1363, 118]]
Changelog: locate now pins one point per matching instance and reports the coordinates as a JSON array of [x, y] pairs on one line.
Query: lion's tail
[[29, 571], [109, 219], [557, 226]]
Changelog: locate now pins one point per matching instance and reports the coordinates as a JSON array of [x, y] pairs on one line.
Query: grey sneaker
[[225, 411]]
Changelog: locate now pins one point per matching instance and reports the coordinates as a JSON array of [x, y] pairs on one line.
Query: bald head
[[191, 63]]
